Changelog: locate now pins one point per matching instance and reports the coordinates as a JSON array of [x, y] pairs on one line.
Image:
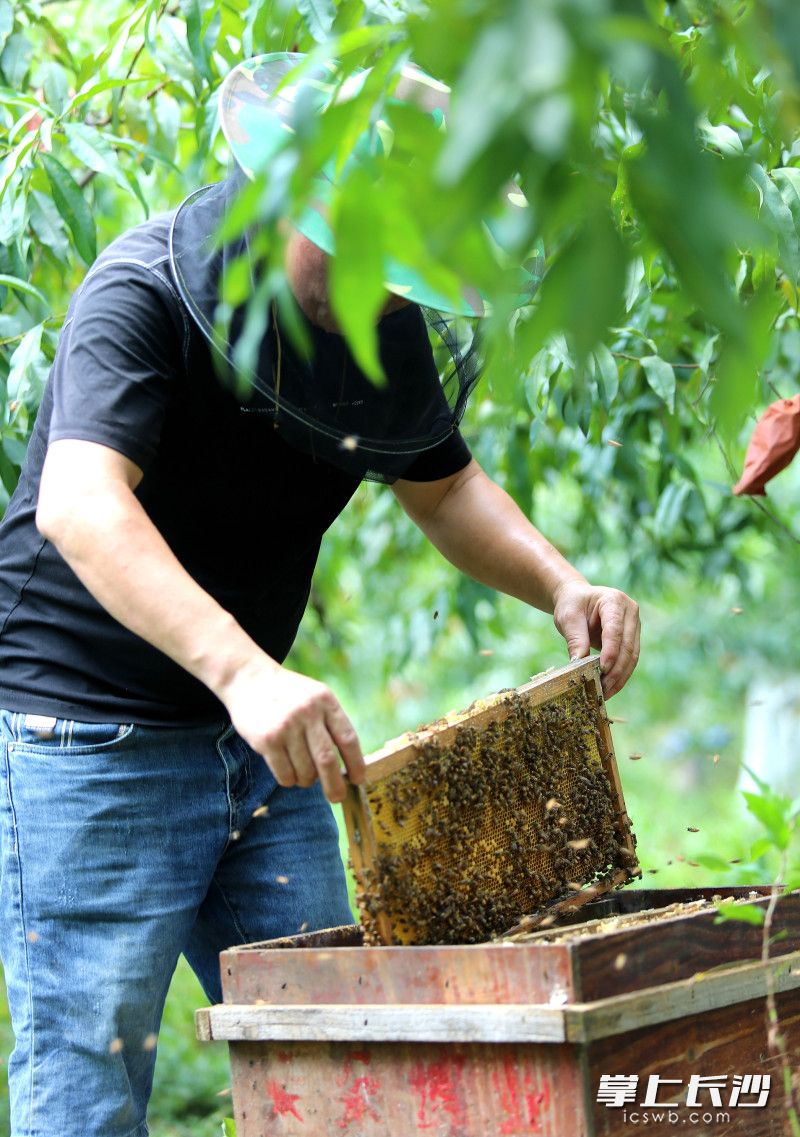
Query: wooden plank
[[636, 899], [363, 847], [398, 752], [330, 967], [609, 761], [569, 904], [705, 991], [723, 1042], [580, 1022], [380, 1023], [481, 973], [674, 947], [397, 1089], [346, 935]]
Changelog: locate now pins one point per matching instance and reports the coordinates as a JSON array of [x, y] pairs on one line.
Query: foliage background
[[658, 145]]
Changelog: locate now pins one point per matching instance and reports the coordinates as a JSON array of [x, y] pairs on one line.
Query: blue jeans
[[123, 846]]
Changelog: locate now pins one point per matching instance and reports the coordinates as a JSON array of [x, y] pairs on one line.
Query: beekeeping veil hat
[[321, 400]]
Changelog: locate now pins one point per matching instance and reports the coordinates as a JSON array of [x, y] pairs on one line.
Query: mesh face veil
[[320, 400]]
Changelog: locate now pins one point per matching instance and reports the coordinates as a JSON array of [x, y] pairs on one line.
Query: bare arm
[[481, 530], [88, 509]]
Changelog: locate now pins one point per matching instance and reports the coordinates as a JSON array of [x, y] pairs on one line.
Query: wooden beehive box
[[506, 809], [328, 1037]]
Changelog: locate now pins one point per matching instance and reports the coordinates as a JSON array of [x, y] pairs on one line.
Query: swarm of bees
[[503, 820]]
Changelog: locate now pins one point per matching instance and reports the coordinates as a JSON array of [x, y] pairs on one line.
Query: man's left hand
[[605, 618]]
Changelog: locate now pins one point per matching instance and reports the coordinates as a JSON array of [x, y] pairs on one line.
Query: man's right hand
[[89, 510], [297, 724]]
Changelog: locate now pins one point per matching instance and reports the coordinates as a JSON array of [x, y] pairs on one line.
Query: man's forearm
[[479, 528], [482, 531], [87, 507]]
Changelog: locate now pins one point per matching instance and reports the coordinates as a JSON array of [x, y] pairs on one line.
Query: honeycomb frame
[[459, 832]]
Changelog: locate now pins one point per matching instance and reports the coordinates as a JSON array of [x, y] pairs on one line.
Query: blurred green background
[[657, 145]]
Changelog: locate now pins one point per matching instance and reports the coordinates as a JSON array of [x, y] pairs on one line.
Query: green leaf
[[349, 14], [318, 16], [769, 811], [198, 27], [167, 121], [778, 217], [55, 85], [788, 178], [11, 98], [6, 21], [485, 102], [592, 265], [193, 17], [791, 880], [606, 374], [16, 59], [760, 848], [72, 206], [357, 270], [228, 1127], [747, 913], [723, 138], [9, 471], [140, 149], [90, 89], [13, 210], [27, 367], [633, 282], [95, 151], [741, 357], [47, 225], [671, 509], [661, 377], [15, 449], [18, 285]]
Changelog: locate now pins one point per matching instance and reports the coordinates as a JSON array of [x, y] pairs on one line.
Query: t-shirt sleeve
[[118, 361], [442, 460]]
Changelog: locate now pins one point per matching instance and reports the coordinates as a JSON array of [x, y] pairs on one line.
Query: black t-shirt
[[242, 510]]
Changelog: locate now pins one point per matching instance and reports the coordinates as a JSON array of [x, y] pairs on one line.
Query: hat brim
[[255, 110]]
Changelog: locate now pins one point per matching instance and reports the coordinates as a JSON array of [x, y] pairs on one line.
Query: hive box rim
[[291, 943], [507, 1022]]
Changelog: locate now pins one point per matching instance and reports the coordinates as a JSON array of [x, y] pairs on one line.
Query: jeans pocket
[[44, 735]]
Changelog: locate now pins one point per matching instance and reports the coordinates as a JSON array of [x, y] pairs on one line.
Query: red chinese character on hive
[[359, 1090], [437, 1084], [283, 1102], [356, 1101]]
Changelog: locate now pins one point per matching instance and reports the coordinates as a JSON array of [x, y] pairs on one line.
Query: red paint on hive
[[356, 1101], [283, 1102], [439, 1087], [521, 1103], [534, 1100]]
